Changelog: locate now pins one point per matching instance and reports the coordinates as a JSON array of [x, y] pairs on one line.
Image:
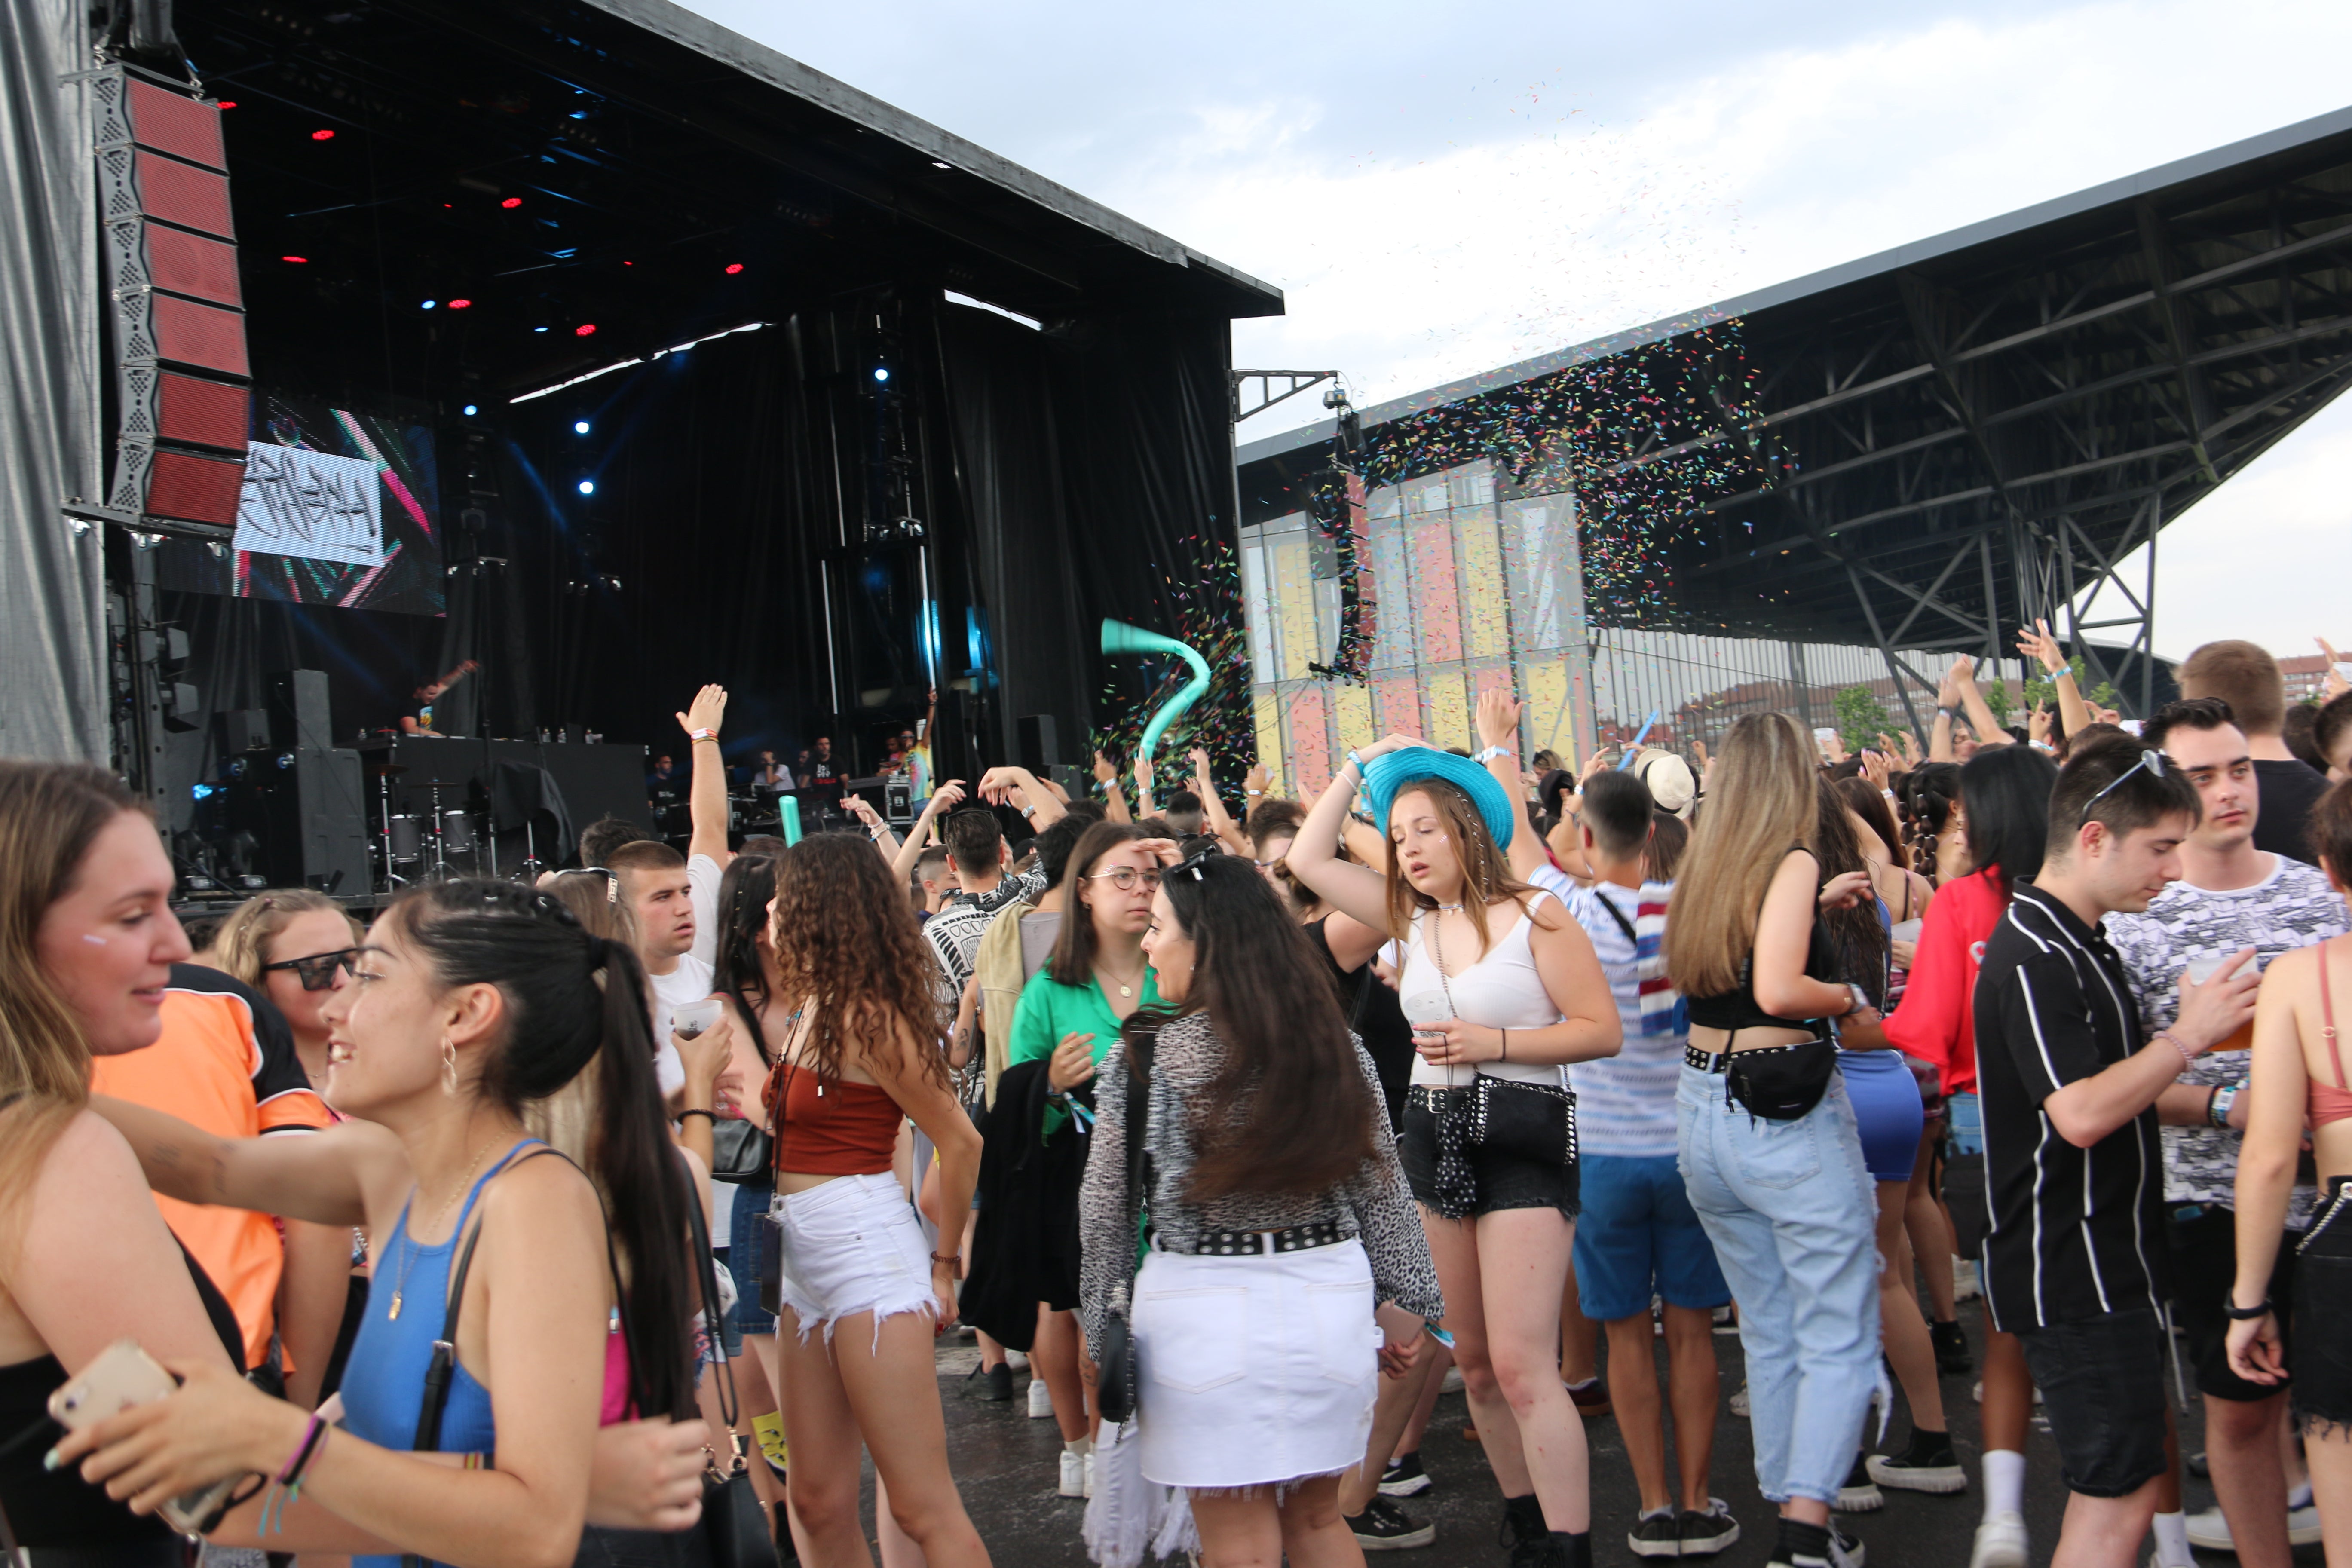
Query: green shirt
[[1050, 1009]]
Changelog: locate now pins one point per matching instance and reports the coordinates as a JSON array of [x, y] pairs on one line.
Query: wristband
[[697, 1110], [297, 1461], [2237, 1314], [1490, 753], [954, 1260], [2218, 1104], [1355, 761], [702, 734], [2187, 1057]]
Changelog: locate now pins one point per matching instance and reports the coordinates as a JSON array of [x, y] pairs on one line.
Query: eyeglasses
[[2151, 760], [317, 972], [1126, 878]]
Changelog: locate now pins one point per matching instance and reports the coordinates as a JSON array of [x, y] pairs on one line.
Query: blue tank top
[[384, 1383]]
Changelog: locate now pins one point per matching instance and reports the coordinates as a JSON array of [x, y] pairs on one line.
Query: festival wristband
[[1490, 753], [702, 734]]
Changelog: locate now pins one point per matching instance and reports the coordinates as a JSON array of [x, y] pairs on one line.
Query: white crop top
[[1501, 990]]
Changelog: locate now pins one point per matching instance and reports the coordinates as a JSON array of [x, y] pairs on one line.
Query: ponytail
[[574, 1000]]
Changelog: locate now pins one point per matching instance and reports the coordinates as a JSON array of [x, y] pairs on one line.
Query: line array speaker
[[183, 377]]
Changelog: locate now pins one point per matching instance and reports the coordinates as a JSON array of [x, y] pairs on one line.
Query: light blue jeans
[[1793, 1218]]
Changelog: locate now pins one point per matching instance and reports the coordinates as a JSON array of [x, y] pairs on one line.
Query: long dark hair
[[1289, 1111], [573, 998], [736, 971], [1855, 932], [1929, 792], [1861, 798], [848, 948], [2006, 790], [1073, 959]]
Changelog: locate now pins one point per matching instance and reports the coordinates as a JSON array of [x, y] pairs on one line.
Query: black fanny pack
[[1780, 1083]]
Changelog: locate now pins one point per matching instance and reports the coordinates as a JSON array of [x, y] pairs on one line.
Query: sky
[[1443, 190]]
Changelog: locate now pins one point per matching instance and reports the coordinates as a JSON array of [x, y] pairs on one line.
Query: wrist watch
[[1861, 999]]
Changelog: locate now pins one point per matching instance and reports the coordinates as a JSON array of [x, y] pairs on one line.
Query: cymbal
[[387, 770]]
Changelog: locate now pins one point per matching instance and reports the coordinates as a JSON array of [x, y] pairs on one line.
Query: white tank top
[[1501, 990]]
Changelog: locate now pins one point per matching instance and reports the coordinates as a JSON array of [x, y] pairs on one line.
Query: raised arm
[[1213, 810], [706, 798], [945, 799], [324, 1177], [1980, 718], [2073, 713], [1114, 802], [1499, 739], [1314, 860], [1022, 789], [1144, 773]]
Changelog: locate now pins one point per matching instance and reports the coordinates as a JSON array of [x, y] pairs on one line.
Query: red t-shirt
[[1937, 1020]]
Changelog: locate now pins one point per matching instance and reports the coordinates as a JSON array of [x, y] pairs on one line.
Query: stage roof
[[1965, 425], [558, 166]]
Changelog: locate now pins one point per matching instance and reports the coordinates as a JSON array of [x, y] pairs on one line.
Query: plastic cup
[[692, 1019], [2201, 969], [1907, 930]]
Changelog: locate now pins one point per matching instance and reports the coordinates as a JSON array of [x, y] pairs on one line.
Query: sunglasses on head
[[317, 972], [612, 879], [2153, 761]]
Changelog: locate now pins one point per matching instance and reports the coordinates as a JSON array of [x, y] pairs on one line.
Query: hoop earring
[[448, 1066]]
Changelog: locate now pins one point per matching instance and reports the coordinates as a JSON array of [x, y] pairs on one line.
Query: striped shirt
[[1625, 1103], [2075, 1232]]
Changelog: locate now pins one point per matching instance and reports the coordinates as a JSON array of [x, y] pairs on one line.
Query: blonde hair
[[1486, 873], [242, 944], [50, 814], [567, 1119], [1761, 802]]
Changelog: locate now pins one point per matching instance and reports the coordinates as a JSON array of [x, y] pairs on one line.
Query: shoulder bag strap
[[1139, 1054], [1619, 916]]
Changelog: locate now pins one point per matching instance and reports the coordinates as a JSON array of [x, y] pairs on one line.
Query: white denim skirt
[[1254, 1371], [851, 1245]]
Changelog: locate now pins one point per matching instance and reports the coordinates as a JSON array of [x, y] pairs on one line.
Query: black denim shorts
[[2323, 1297], [2204, 1265], [1502, 1181], [2102, 1383]]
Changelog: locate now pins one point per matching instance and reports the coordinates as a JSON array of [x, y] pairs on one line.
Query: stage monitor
[[339, 507]]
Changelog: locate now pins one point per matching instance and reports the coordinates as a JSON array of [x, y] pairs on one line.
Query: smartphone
[[124, 1376]]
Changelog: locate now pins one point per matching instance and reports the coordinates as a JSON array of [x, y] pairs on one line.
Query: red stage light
[[296, 260], [733, 267], [227, 106], [583, 329], [461, 304], [511, 202], [322, 136]]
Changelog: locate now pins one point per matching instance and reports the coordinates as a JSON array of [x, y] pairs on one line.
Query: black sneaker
[[1952, 1356], [1936, 1470], [1404, 1477], [1860, 1494], [1655, 1535], [1384, 1527], [993, 1383], [1704, 1534], [1845, 1551]]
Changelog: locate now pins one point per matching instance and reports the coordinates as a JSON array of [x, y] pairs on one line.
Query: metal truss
[[1935, 454], [1295, 381]]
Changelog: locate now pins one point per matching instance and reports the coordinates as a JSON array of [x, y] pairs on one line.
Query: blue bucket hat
[[1387, 775]]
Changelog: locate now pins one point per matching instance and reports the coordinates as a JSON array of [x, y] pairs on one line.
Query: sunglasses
[[317, 972], [1126, 879], [612, 879], [2153, 761]]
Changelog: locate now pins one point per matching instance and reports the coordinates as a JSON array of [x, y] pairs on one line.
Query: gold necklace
[[400, 1287], [1125, 989]]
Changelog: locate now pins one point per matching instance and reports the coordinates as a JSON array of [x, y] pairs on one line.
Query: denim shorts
[[2102, 1383], [853, 1245], [2322, 1289], [749, 1249], [2204, 1239], [1637, 1236]]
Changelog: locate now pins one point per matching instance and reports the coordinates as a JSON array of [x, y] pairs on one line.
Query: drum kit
[[431, 845]]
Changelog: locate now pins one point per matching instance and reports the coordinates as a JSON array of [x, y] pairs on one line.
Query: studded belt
[[1257, 1243], [1720, 1061]]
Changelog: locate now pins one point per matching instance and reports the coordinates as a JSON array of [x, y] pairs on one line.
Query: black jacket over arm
[[1024, 1249]]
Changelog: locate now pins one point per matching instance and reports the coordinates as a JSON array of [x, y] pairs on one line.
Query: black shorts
[[2204, 1262], [2102, 1383], [1502, 1181], [2323, 1296]]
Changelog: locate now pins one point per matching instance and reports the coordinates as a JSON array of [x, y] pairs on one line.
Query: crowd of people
[[616, 1219]]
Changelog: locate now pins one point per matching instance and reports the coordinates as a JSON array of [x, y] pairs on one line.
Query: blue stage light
[[471, 411], [580, 426], [881, 373], [587, 487], [426, 306], [203, 792]]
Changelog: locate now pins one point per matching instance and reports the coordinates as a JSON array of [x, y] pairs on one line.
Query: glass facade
[[1466, 589]]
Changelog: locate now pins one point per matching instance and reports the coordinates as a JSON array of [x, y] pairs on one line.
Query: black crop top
[[1739, 1009]]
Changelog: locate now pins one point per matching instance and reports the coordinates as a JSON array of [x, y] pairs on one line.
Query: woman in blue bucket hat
[[1503, 991]]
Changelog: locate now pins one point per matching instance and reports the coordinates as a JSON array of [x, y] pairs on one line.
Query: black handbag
[[1117, 1376], [739, 1152], [1780, 1083], [1535, 1121], [734, 1520]]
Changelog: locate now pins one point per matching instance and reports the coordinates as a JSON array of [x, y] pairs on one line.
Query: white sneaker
[[1075, 1473], [2001, 1542], [1017, 1360], [2211, 1531], [1739, 1402], [1453, 1381], [1041, 1405], [1978, 1391], [1965, 1287]]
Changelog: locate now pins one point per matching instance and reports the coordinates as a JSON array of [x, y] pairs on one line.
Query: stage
[[658, 359]]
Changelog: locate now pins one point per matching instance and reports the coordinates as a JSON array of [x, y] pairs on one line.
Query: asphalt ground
[[1005, 1464]]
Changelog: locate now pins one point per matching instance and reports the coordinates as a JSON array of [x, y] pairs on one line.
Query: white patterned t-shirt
[[2292, 907]]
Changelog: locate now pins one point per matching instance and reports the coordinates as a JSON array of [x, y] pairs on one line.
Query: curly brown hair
[[848, 949]]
